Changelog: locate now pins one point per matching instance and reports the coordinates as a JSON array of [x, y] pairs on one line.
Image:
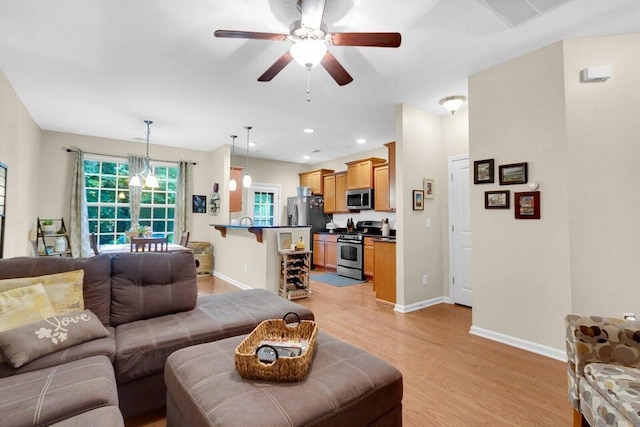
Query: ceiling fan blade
[[335, 70], [365, 39], [277, 66], [250, 35], [311, 13]]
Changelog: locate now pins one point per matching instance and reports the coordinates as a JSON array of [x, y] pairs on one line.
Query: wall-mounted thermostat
[[600, 73]]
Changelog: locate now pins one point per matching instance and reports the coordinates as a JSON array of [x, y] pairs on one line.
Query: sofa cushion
[[143, 346], [96, 284], [21, 345], [47, 396], [146, 285], [22, 306], [63, 289], [107, 416], [99, 347], [618, 385]]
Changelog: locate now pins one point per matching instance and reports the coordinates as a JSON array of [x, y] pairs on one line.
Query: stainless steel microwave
[[360, 199]]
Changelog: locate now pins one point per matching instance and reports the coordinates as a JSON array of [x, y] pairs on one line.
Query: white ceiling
[[101, 67]]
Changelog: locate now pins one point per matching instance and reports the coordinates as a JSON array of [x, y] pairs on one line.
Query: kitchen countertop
[[255, 229], [391, 237]]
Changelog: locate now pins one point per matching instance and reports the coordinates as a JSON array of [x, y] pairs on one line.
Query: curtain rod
[[69, 150]]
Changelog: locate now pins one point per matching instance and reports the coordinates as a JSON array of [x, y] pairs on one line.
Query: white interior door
[[460, 231]]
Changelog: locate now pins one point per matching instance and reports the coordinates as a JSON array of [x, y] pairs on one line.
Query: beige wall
[[420, 153], [581, 146], [604, 149], [20, 150]]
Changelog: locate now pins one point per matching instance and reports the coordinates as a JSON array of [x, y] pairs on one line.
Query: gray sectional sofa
[[149, 304]]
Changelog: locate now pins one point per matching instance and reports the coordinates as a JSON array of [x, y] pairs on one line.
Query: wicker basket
[[283, 368]]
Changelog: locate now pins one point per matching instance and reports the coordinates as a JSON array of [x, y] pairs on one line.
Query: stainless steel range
[[351, 249]]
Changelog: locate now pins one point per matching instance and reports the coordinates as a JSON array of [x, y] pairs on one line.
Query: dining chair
[[184, 240], [94, 243], [143, 244]]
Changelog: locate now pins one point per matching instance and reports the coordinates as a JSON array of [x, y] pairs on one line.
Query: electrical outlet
[[425, 279], [428, 222], [246, 268]]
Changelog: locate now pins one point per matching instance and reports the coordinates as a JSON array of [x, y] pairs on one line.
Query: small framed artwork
[[428, 188], [496, 199], [483, 171], [199, 204], [418, 200], [284, 241], [527, 205], [515, 173]]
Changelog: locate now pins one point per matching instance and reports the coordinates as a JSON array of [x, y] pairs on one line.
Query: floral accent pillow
[[64, 289], [22, 345]]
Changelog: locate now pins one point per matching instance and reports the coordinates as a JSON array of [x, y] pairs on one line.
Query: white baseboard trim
[[531, 346], [422, 304], [234, 282]]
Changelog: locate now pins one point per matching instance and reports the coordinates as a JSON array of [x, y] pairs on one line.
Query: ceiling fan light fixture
[[308, 52], [453, 103]]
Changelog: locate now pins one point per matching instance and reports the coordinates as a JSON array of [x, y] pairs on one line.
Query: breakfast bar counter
[[247, 255]]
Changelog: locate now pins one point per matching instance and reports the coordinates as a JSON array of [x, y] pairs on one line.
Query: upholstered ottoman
[[345, 386]]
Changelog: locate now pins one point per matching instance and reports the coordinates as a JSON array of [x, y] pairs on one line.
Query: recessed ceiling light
[[361, 141], [306, 157], [252, 144], [308, 130]]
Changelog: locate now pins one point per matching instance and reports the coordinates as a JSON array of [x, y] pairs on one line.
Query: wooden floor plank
[[451, 378]]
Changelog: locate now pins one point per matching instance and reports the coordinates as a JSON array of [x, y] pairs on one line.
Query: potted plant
[[47, 226]]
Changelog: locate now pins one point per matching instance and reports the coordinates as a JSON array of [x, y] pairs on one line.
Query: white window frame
[[265, 188]]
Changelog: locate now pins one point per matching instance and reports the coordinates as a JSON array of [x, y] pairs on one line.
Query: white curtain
[[79, 225], [182, 220], [136, 166]]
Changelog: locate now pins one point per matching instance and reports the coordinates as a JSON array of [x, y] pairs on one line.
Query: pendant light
[[246, 180], [149, 178], [232, 183]]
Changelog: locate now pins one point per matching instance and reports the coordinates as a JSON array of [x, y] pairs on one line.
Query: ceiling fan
[[310, 39]]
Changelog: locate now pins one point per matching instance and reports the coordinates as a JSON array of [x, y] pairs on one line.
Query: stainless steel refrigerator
[[307, 210]]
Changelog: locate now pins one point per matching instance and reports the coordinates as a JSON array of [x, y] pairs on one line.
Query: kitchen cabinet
[[391, 155], [368, 257], [335, 193], [325, 249], [360, 173], [314, 179], [384, 270], [235, 197], [381, 186]]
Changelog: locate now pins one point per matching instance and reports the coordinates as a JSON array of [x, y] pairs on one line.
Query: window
[[107, 189], [265, 209]]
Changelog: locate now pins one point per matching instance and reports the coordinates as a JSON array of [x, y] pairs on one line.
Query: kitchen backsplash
[[368, 215]]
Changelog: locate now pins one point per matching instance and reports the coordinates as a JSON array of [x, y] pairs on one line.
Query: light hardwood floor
[[451, 378]]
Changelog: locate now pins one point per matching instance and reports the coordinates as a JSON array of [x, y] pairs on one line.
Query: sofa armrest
[[599, 339]]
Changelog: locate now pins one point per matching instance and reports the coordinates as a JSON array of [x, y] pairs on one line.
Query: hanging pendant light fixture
[[246, 180], [232, 182], [149, 178]]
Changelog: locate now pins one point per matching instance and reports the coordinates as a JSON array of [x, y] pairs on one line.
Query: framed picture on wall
[[418, 200], [429, 188], [514, 173], [199, 204], [483, 172], [527, 205], [496, 199]]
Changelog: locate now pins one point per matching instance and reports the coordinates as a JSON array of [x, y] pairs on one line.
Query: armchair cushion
[[619, 386]]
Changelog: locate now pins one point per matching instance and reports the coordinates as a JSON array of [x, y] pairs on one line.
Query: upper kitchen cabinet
[[335, 193], [360, 173], [381, 185], [384, 177], [315, 180], [235, 197]]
